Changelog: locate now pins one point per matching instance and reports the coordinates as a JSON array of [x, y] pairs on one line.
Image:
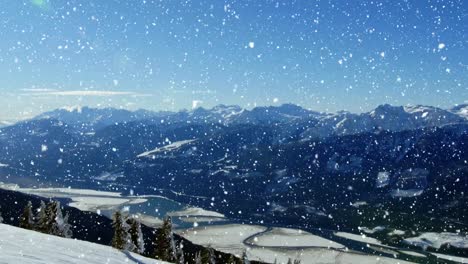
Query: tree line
[[48, 219], [128, 236]]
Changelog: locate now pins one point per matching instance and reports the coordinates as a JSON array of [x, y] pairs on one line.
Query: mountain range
[[399, 166]]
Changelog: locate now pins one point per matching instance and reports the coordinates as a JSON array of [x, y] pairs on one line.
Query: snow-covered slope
[[19, 245], [385, 117], [461, 110], [173, 146]]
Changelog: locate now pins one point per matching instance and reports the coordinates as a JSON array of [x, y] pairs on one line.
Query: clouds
[[81, 93]]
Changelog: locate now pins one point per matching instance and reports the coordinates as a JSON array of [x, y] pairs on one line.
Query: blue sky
[[323, 55]]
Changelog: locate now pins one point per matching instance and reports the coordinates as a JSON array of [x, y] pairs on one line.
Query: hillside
[[24, 246]]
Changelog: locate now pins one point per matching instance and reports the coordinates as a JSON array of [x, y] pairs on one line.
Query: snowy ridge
[[316, 124], [171, 147], [19, 245]]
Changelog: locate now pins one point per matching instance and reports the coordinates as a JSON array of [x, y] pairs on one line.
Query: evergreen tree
[[212, 256], [231, 260], [121, 239], [290, 261], [1, 218], [198, 258], [245, 259], [180, 254], [136, 235], [206, 255], [165, 245], [51, 214], [66, 228], [41, 217], [27, 218]]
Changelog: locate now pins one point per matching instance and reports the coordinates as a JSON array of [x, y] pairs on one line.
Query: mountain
[[384, 117], [275, 114], [284, 165], [302, 182], [295, 121], [5, 123], [460, 110], [94, 118], [29, 247]]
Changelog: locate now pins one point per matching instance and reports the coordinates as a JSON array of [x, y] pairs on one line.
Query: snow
[[396, 232], [436, 240], [109, 176], [358, 204], [383, 179], [62, 192], [83, 199], [318, 255], [406, 193], [173, 146], [451, 258], [225, 238], [3, 165], [373, 230], [196, 211], [412, 253], [29, 247], [280, 244], [149, 220], [287, 237], [99, 203], [359, 238]]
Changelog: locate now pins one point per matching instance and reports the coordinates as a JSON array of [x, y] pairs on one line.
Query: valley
[[377, 185]]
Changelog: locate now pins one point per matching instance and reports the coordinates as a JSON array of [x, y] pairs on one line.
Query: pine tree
[[198, 258], [231, 260], [180, 254], [51, 214], [1, 218], [165, 245], [27, 218], [245, 259], [212, 256], [66, 228], [41, 217], [136, 235], [121, 239], [205, 255], [290, 261]]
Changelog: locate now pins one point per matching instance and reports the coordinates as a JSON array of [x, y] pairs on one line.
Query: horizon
[[327, 56], [75, 108]]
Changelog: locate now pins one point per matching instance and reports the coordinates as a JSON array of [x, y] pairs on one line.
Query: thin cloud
[[45, 92], [38, 90]]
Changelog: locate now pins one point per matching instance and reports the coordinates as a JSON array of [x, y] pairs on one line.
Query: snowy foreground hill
[[19, 245]]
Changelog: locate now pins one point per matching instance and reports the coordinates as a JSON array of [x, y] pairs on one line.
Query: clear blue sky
[[323, 55]]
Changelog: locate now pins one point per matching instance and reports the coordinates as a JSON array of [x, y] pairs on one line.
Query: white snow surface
[[19, 245], [287, 237], [318, 255], [196, 211], [167, 148], [359, 238], [406, 193], [451, 258], [83, 199], [436, 240], [226, 238]]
